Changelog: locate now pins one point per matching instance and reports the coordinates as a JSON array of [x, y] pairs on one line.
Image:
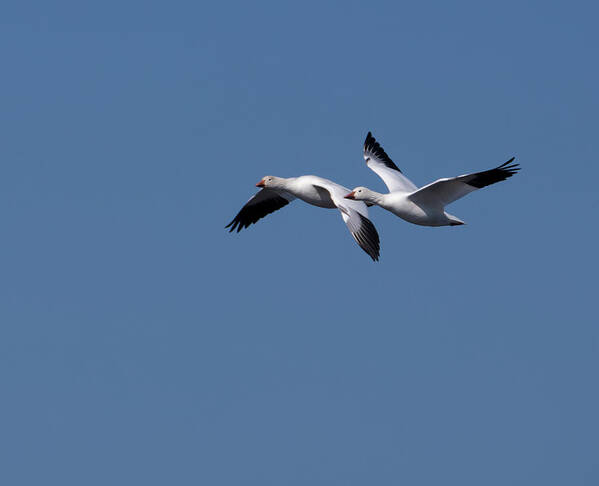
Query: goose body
[[277, 192], [424, 206], [422, 213]]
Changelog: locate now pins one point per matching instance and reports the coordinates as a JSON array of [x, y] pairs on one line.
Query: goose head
[[270, 181], [359, 194]]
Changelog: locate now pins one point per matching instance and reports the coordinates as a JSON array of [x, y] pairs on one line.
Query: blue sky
[[143, 344]]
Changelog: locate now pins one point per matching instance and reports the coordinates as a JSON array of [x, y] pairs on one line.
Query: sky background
[[141, 343]]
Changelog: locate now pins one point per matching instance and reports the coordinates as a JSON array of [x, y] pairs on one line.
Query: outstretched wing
[[363, 231], [378, 160], [355, 215], [261, 204], [445, 191]]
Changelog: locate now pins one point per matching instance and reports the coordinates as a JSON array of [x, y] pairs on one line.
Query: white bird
[[278, 192], [424, 206]]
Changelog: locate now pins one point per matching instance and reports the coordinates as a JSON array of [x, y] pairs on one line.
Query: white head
[[360, 194], [270, 181]]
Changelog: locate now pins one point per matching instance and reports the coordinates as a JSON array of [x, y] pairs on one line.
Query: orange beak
[[350, 195], [261, 183]]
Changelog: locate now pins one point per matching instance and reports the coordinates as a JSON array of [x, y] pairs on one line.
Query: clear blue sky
[[140, 343]]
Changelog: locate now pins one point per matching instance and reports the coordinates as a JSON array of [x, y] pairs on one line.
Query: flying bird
[[278, 192], [426, 205]]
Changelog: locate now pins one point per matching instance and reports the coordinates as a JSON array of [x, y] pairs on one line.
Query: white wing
[[355, 215], [383, 166], [445, 191], [259, 205]]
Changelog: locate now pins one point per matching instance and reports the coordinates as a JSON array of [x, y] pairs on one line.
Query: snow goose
[[424, 206], [278, 192]]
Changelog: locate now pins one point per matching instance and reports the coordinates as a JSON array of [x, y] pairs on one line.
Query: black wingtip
[[234, 225], [252, 212], [368, 238], [373, 149], [509, 168], [498, 174], [506, 164]]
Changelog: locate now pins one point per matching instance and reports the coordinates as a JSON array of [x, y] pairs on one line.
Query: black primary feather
[[488, 177], [253, 211], [373, 149], [368, 238]]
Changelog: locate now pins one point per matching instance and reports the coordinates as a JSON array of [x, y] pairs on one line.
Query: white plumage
[[424, 206], [278, 192]]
